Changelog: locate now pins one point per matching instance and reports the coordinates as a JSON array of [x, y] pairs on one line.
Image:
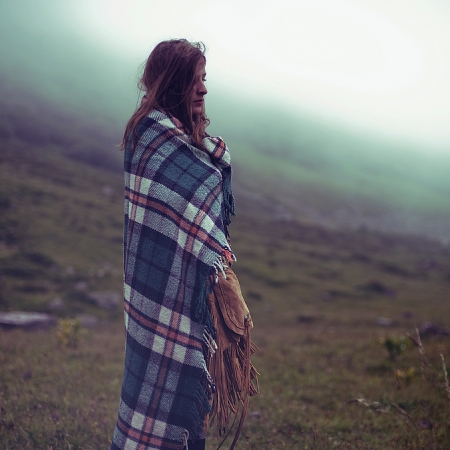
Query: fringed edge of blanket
[[206, 281], [205, 387], [228, 208], [202, 313]]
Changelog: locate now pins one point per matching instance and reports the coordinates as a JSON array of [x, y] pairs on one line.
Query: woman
[[178, 203]]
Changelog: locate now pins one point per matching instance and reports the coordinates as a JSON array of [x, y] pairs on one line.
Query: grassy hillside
[[333, 310], [60, 227], [300, 167], [332, 314], [338, 178], [61, 198]]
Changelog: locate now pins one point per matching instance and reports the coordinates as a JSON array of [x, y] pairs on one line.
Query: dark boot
[[196, 445]]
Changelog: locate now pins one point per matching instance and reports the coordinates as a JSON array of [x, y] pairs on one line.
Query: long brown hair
[[168, 81]]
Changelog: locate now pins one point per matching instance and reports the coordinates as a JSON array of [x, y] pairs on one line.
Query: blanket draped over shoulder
[[178, 203]]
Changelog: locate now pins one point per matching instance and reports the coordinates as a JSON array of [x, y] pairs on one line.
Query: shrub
[[69, 332]]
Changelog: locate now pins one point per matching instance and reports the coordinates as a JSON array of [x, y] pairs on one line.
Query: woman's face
[[199, 91]]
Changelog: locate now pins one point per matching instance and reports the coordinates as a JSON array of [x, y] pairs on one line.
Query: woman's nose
[[201, 88]]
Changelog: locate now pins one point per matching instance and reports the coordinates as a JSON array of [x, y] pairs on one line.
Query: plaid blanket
[[178, 203]]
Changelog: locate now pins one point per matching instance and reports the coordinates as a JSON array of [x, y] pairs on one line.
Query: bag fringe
[[235, 379]]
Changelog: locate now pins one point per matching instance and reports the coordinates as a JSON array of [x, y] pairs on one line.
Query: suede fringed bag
[[234, 376]]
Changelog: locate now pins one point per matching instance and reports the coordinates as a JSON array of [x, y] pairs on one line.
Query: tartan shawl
[[178, 203]]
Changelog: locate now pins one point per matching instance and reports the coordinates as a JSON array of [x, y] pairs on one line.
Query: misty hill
[[313, 171], [60, 229], [61, 240], [287, 167], [61, 213], [31, 119], [60, 89]]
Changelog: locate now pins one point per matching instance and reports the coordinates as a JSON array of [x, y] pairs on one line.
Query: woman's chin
[[197, 110]]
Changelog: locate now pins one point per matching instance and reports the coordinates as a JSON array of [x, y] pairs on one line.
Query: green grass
[[57, 397], [60, 225], [53, 397], [320, 350]]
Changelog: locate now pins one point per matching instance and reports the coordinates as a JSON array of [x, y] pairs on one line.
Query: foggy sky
[[376, 66]]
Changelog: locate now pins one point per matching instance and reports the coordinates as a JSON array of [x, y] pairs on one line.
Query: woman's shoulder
[[155, 121]]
